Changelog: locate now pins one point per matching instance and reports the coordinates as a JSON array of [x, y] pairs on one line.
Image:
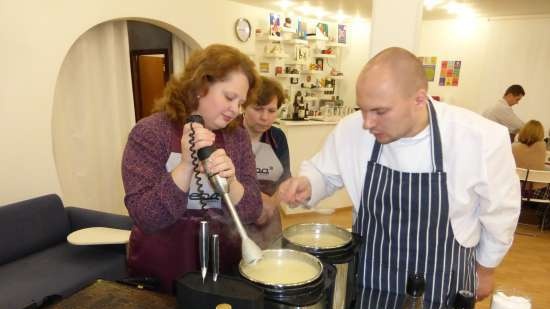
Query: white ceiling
[[486, 8]]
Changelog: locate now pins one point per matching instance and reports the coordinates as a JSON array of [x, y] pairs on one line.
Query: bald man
[[433, 186]]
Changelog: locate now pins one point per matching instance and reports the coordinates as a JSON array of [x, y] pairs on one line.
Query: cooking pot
[[332, 245], [291, 279]]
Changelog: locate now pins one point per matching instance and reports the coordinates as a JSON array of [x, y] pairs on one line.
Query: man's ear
[[421, 97]]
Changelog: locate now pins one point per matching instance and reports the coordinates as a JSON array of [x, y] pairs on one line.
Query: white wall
[[35, 37], [495, 54]]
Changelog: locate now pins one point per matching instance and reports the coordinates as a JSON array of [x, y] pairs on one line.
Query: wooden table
[[104, 294]]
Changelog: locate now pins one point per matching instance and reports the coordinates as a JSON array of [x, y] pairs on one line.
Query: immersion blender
[[250, 250]]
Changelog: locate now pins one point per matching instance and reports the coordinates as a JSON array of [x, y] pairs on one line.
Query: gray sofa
[[37, 264]]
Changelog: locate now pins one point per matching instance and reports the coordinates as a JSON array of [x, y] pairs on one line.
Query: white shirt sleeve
[[323, 171], [500, 201]]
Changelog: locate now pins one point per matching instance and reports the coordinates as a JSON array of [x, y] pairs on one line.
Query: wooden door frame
[[134, 67]]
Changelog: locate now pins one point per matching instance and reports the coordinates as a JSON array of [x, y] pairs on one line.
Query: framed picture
[[275, 24], [302, 54], [264, 67], [429, 67], [319, 63], [341, 34]]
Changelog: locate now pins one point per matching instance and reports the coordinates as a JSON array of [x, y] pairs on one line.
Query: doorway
[[150, 73]]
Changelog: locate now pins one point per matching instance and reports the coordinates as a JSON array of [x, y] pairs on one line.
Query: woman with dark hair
[[530, 153], [162, 195], [270, 149]]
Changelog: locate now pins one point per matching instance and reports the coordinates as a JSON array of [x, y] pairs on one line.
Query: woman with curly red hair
[[162, 196]]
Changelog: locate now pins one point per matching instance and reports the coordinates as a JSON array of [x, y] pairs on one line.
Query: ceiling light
[[320, 13], [285, 4], [358, 19], [430, 4], [459, 9], [305, 9], [340, 16]]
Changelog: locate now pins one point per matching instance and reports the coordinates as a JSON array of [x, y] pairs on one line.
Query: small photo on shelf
[[264, 67], [319, 63], [302, 54]]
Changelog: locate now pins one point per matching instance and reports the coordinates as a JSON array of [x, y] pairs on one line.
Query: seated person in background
[[162, 196], [503, 113], [530, 152], [270, 148]]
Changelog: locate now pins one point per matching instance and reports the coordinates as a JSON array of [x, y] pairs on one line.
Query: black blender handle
[[195, 118], [204, 152]]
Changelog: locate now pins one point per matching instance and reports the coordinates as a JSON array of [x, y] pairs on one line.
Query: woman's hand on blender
[[201, 138], [220, 163]]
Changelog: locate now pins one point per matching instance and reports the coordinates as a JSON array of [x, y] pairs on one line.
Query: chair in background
[[528, 178], [522, 175]]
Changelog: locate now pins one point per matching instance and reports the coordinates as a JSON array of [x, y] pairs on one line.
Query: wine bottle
[[295, 107], [464, 300], [301, 109], [415, 292]]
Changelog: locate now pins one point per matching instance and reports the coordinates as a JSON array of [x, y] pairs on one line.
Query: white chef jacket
[[504, 114], [484, 189]]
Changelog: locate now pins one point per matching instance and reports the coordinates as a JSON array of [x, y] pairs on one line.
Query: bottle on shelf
[[415, 292], [301, 109], [464, 300], [296, 106], [339, 102]]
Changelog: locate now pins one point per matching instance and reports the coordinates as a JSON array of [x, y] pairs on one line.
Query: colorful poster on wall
[[275, 24], [341, 34], [450, 73], [429, 64], [322, 30]]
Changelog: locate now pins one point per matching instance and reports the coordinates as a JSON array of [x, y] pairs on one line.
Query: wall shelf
[[334, 44], [295, 41], [312, 73], [284, 75], [321, 89], [316, 38], [288, 30], [270, 38], [324, 56], [278, 56]]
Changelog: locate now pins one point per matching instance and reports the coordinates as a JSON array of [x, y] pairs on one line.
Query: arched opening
[[94, 108]]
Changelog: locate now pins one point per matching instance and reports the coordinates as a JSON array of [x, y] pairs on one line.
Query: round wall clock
[[243, 29]]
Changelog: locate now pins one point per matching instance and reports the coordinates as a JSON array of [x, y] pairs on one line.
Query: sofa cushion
[[60, 270], [81, 218], [30, 226]]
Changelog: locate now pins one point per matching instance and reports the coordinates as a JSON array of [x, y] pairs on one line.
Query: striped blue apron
[[404, 219]]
